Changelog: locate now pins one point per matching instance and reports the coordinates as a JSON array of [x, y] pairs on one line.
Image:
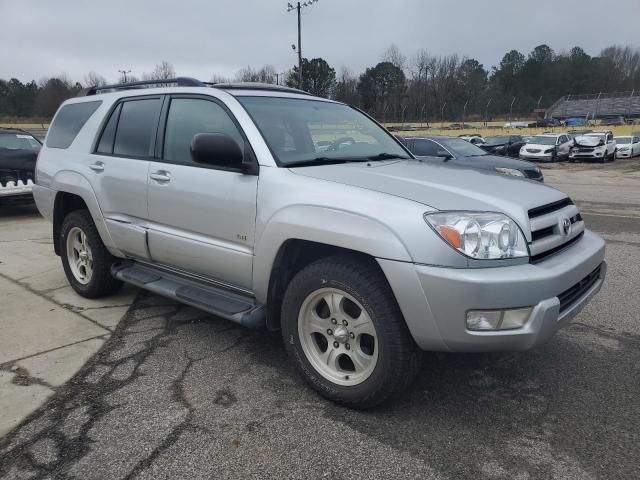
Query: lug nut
[[329, 332], [352, 335], [334, 321], [344, 322], [336, 344], [347, 346]]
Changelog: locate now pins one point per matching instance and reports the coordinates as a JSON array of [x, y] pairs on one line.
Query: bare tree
[[93, 79], [267, 74], [394, 55], [162, 71], [216, 78]]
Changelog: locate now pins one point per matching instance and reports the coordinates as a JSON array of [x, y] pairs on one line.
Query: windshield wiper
[[387, 156], [324, 161]]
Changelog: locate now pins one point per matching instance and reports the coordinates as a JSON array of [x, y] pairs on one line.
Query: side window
[[425, 148], [636, 139], [68, 123], [109, 133], [563, 139], [136, 127], [189, 116]]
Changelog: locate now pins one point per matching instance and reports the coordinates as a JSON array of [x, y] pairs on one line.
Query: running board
[[223, 303]]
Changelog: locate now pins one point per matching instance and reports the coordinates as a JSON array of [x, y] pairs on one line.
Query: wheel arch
[[74, 192], [298, 235]]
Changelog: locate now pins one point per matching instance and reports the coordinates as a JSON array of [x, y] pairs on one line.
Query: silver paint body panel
[[229, 227]]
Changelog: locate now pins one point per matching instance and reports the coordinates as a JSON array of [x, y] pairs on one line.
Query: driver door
[[201, 217]]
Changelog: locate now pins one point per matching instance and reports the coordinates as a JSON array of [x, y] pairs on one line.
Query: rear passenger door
[[119, 170], [201, 217]]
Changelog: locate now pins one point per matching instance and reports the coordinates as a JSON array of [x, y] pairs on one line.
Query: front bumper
[[435, 300], [587, 156], [623, 154], [536, 157]]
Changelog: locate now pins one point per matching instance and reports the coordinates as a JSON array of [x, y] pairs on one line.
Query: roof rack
[[168, 82], [256, 86], [187, 82]]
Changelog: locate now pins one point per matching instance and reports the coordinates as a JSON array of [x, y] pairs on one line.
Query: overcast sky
[[201, 37]]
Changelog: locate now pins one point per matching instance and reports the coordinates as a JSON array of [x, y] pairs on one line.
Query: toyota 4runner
[[273, 208]]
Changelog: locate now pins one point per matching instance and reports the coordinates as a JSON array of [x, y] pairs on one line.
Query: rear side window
[[425, 148], [68, 122], [135, 132]]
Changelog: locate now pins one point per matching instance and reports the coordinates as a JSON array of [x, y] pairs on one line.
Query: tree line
[[424, 87]]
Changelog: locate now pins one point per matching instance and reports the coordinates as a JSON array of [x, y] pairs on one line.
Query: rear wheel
[[85, 259], [345, 332]]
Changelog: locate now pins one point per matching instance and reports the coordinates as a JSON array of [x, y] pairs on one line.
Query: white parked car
[[515, 125], [547, 147], [594, 146], [627, 147], [475, 139]]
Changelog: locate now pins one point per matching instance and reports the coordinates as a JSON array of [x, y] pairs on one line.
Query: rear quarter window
[[68, 122]]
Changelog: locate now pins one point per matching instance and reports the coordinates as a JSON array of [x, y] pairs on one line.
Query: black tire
[[101, 283], [398, 356]]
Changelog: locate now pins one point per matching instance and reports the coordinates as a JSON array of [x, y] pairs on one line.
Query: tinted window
[[426, 148], [68, 122], [109, 133], [189, 116], [135, 134]]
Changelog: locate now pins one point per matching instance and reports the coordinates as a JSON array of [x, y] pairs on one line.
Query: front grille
[[550, 207], [585, 149], [569, 297], [533, 150], [547, 234], [13, 177]]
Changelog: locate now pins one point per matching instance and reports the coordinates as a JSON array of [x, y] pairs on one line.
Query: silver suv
[[273, 208]]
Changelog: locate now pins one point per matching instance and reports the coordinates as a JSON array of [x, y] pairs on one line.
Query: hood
[[587, 141], [492, 161], [539, 146], [443, 186]]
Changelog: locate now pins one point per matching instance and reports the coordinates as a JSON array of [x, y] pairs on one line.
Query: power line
[[299, 7]]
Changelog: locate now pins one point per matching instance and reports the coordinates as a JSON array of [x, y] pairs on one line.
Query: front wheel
[[344, 330], [85, 259]]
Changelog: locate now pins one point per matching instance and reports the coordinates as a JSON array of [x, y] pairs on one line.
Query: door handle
[[161, 176], [97, 167]]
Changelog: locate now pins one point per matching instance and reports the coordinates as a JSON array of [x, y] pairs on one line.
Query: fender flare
[[67, 181], [307, 222]]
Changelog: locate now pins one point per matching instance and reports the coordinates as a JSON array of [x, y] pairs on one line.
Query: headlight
[[484, 236], [549, 150], [623, 149], [509, 171]]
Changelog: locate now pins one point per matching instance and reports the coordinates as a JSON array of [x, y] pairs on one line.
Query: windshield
[[622, 140], [301, 130], [496, 140], [540, 140], [462, 148], [18, 141]]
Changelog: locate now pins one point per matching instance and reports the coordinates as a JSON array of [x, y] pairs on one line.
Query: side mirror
[[216, 149]]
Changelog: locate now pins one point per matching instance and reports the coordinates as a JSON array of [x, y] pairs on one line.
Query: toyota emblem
[[565, 226]]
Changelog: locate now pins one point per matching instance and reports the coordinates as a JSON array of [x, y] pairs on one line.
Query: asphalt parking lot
[[177, 393]]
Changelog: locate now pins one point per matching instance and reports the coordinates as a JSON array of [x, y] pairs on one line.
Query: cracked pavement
[[178, 393]]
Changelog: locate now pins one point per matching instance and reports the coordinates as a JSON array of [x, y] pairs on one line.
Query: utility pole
[[298, 7], [124, 75]]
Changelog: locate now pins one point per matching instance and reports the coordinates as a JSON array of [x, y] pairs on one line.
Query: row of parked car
[[514, 154], [571, 146]]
